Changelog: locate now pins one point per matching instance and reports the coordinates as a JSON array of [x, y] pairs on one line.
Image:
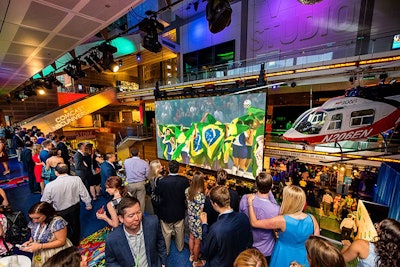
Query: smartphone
[[20, 246]]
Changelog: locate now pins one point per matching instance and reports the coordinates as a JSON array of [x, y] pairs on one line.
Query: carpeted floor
[[13, 182]]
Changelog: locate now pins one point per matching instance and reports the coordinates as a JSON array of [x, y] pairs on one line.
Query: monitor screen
[[213, 132], [396, 42]]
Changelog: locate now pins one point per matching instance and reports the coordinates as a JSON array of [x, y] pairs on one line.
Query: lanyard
[[41, 233]]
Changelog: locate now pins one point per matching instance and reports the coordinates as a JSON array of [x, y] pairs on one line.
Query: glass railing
[[275, 61]]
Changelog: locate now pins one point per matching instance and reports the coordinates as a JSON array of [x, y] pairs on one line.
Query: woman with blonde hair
[[156, 168], [195, 199], [37, 170], [251, 257], [293, 224]]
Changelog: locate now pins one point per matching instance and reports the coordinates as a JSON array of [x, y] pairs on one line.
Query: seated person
[[4, 246]]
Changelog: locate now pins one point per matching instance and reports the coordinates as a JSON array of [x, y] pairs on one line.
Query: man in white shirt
[[65, 193], [347, 227]]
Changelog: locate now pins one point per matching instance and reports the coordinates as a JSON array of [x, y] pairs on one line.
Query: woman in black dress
[[91, 159]]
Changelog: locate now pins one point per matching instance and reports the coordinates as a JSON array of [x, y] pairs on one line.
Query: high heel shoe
[[6, 172]]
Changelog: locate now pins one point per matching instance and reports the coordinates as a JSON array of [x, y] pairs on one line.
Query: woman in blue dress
[[294, 227]]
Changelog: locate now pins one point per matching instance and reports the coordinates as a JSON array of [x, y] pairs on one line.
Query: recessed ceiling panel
[[105, 9], [70, 4], [4, 45], [20, 49], [8, 31], [84, 25], [43, 17], [30, 36], [62, 42], [48, 53]]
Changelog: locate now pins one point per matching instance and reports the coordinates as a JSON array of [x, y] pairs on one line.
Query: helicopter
[[360, 113]]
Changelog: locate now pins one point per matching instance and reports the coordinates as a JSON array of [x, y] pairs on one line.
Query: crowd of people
[[225, 229]]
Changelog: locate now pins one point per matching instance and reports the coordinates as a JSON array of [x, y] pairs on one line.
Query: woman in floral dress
[[195, 202], [48, 233]]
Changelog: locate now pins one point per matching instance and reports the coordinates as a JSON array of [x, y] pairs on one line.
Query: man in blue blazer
[[138, 241], [107, 169]]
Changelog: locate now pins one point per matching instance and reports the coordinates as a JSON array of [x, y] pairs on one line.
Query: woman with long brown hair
[[116, 188], [195, 199], [384, 251]]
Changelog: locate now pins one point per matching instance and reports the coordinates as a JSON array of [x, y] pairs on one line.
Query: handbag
[[46, 174]]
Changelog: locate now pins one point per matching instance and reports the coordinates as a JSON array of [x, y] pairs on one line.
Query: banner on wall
[[65, 115], [366, 229]]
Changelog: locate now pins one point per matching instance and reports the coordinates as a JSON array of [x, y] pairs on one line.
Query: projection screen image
[[213, 132]]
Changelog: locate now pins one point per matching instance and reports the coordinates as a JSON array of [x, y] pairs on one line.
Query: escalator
[[62, 116]]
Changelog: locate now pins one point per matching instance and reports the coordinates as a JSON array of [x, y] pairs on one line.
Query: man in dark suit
[[172, 208], [228, 236], [107, 169], [61, 146], [212, 215], [29, 165], [81, 168], [138, 241]]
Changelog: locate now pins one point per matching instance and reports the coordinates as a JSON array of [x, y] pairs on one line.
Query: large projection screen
[[213, 132]]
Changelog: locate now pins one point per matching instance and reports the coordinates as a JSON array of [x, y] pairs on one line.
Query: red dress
[[38, 168]]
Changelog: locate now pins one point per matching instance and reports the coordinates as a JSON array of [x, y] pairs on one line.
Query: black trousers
[[71, 215], [346, 233], [33, 185]]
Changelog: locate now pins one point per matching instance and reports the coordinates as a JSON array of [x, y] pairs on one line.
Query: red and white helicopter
[[361, 113]]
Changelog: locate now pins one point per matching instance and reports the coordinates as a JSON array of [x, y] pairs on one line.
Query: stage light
[[107, 60], [120, 63], [51, 80], [75, 69], [138, 57], [94, 61], [114, 67], [150, 27], [218, 14], [41, 92]]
